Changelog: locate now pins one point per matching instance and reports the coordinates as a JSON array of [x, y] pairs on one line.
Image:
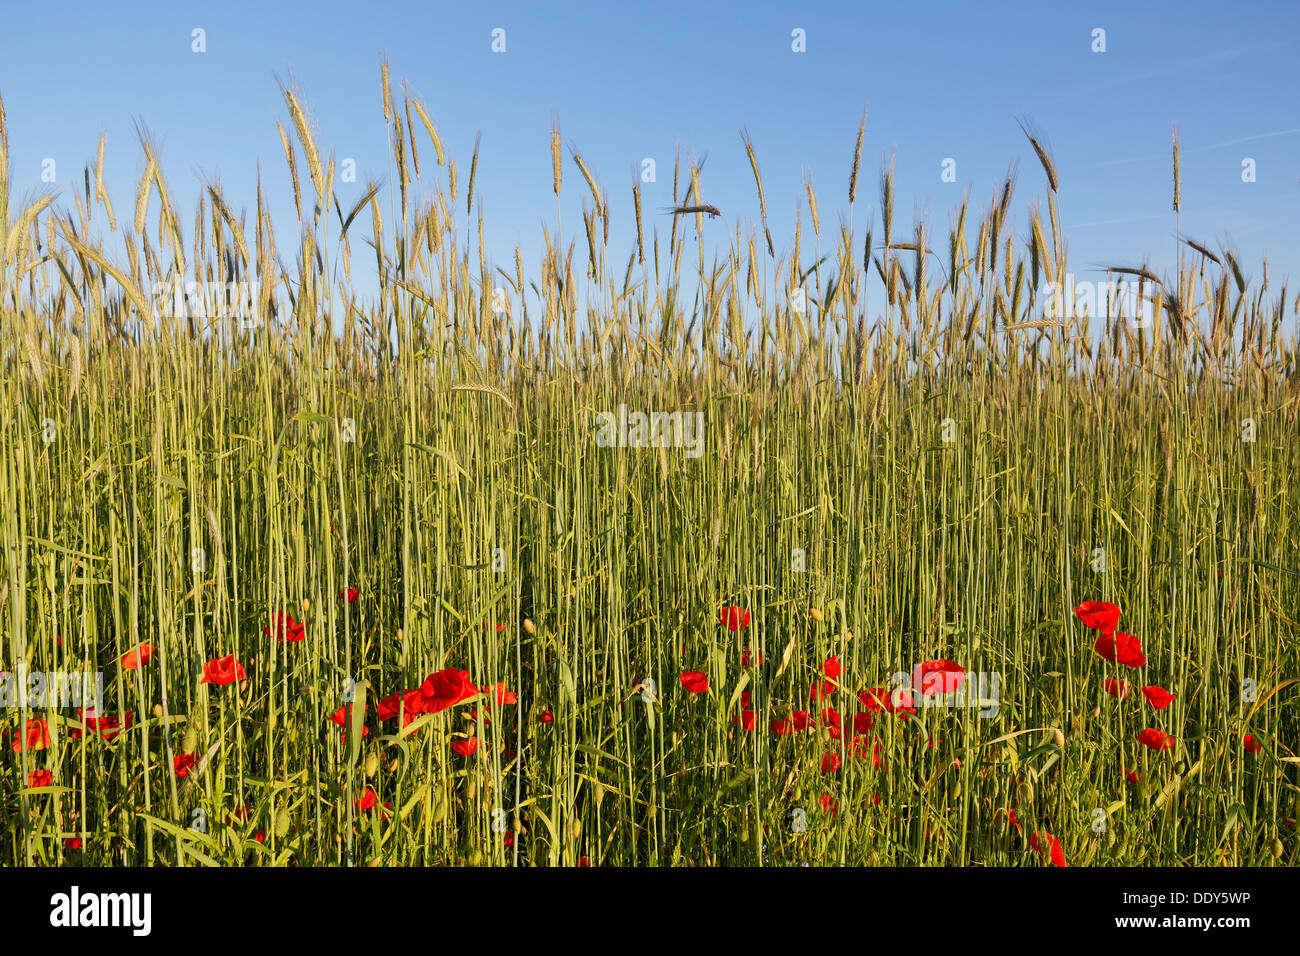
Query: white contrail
[[1201, 149], [1247, 139]]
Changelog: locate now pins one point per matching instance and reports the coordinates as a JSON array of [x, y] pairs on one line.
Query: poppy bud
[[158, 711], [1278, 849], [282, 823], [817, 615], [529, 626], [306, 605], [1058, 738], [372, 764]]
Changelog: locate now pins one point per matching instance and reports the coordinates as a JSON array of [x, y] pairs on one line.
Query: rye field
[[856, 548]]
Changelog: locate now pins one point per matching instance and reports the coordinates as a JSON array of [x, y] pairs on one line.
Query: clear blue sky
[[629, 81]]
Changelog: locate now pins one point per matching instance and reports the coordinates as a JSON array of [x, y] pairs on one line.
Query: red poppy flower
[[1157, 697], [830, 717], [746, 719], [874, 698], [829, 804], [1121, 649], [832, 666], [876, 759], [40, 778], [349, 594], [465, 747], [72, 843], [409, 702], [584, 861], [694, 681], [799, 720], [881, 698], [745, 658], [183, 764], [367, 800], [1132, 776], [412, 705], [822, 689], [858, 746], [446, 688], [938, 677], [1252, 745], [1155, 739], [1099, 616], [830, 762], [736, 618], [509, 839], [343, 717], [547, 716], [287, 629], [223, 670], [1044, 842], [1117, 688], [37, 736], [863, 721], [136, 656], [501, 695], [107, 727]]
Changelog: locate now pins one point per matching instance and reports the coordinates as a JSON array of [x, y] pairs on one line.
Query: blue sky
[[629, 81]]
